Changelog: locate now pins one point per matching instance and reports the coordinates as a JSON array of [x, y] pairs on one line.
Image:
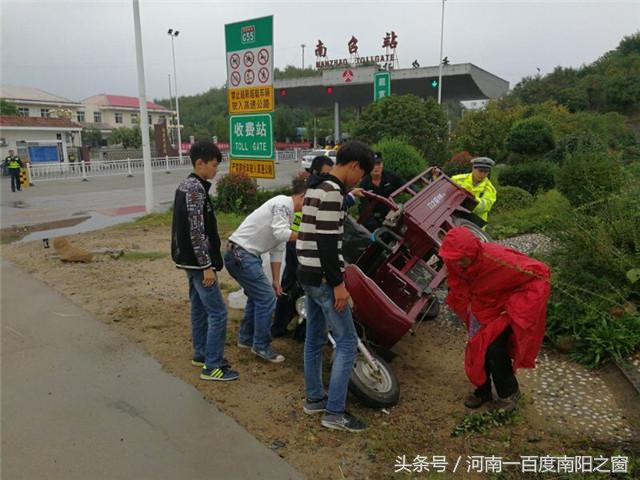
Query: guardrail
[[97, 168]]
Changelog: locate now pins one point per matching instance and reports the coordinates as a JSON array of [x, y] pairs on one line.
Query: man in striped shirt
[[320, 271]]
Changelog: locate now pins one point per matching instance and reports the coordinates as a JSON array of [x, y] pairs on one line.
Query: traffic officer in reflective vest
[[13, 164], [477, 183]]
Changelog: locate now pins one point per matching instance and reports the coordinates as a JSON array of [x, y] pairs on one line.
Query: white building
[[40, 139], [113, 111], [104, 111], [33, 102]]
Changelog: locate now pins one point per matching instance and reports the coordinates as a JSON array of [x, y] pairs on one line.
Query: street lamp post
[[169, 124], [144, 121], [173, 34], [303, 45], [441, 57]]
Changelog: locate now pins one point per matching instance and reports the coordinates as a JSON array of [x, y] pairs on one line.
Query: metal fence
[[85, 170]]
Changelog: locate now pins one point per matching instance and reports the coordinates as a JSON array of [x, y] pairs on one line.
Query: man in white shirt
[[266, 229]]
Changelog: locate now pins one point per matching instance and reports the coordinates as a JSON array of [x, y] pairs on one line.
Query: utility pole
[[173, 34], [441, 46], [144, 120], [303, 45]]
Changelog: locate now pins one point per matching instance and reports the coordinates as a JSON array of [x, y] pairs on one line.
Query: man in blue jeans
[[267, 229], [195, 247], [320, 271]]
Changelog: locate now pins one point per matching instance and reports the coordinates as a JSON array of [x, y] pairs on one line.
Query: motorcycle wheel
[[475, 229], [375, 389]]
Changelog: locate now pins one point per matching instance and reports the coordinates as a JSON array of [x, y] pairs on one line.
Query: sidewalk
[[79, 401]]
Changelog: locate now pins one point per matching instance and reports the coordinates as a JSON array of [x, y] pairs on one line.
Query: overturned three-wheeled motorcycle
[[392, 273]]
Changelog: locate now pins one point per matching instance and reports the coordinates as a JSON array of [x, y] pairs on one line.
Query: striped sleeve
[[329, 213]]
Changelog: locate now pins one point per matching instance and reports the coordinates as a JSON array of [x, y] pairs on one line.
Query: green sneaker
[[222, 374]]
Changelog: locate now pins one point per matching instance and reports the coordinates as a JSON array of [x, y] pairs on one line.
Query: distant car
[[308, 158]]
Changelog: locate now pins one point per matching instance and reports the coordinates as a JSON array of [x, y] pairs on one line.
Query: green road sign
[[251, 136], [381, 85], [257, 32]]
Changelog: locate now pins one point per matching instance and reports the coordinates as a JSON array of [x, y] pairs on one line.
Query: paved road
[[111, 196], [80, 402]]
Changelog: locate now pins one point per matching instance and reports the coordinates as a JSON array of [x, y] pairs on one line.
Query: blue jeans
[[15, 178], [208, 320], [322, 316], [246, 268]]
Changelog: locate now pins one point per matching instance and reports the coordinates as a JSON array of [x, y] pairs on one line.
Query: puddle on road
[[96, 221]]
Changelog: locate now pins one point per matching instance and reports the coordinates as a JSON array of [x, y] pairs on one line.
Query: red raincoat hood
[[460, 242]]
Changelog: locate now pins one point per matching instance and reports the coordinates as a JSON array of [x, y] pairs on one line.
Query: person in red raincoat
[[501, 295]]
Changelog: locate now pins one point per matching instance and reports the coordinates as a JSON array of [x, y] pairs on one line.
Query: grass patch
[[142, 256], [481, 422], [227, 222]]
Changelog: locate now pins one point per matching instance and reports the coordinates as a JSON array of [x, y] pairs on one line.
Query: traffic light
[[329, 90], [283, 92], [434, 84]]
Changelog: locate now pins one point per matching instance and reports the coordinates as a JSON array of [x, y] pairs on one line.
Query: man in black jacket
[[195, 247], [381, 182]]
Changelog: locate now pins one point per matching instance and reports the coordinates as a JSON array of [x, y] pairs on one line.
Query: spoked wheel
[[475, 229], [375, 387]]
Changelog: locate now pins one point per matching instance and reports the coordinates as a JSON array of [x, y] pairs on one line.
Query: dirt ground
[[144, 297]]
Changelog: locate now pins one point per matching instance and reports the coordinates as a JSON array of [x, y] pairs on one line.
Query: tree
[[127, 137], [422, 124], [284, 126], [293, 72], [221, 128], [91, 136], [483, 132], [532, 136], [7, 109]]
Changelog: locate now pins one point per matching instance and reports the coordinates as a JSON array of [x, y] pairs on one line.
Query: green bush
[[596, 294], [571, 144], [511, 198], [265, 195], [587, 177], [459, 163], [532, 136], [540, 217], [236, 192], [401, 158], [532, 176]]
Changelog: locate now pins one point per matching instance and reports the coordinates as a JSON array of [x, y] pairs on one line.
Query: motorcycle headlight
[[300, 307]]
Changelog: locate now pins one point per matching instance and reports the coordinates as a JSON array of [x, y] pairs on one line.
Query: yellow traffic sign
[[251, 99], [254, 168]]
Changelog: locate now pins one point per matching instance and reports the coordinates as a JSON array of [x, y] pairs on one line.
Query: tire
[[376, 393], [475, 229]]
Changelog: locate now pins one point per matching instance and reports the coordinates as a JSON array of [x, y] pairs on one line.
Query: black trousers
[[15, 179], [498, 367], [286, 304]]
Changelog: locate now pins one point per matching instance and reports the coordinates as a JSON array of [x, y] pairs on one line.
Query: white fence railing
[[85, 170]]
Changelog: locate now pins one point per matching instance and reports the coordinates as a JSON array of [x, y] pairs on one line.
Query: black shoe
[[508, 404], [476, 401], [343, 421]]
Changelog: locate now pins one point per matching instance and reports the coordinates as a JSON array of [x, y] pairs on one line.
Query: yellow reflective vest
[[13, 162], [484, 192], [297, 219]]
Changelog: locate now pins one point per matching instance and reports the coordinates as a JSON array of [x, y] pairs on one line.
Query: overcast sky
[[80, 48]]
